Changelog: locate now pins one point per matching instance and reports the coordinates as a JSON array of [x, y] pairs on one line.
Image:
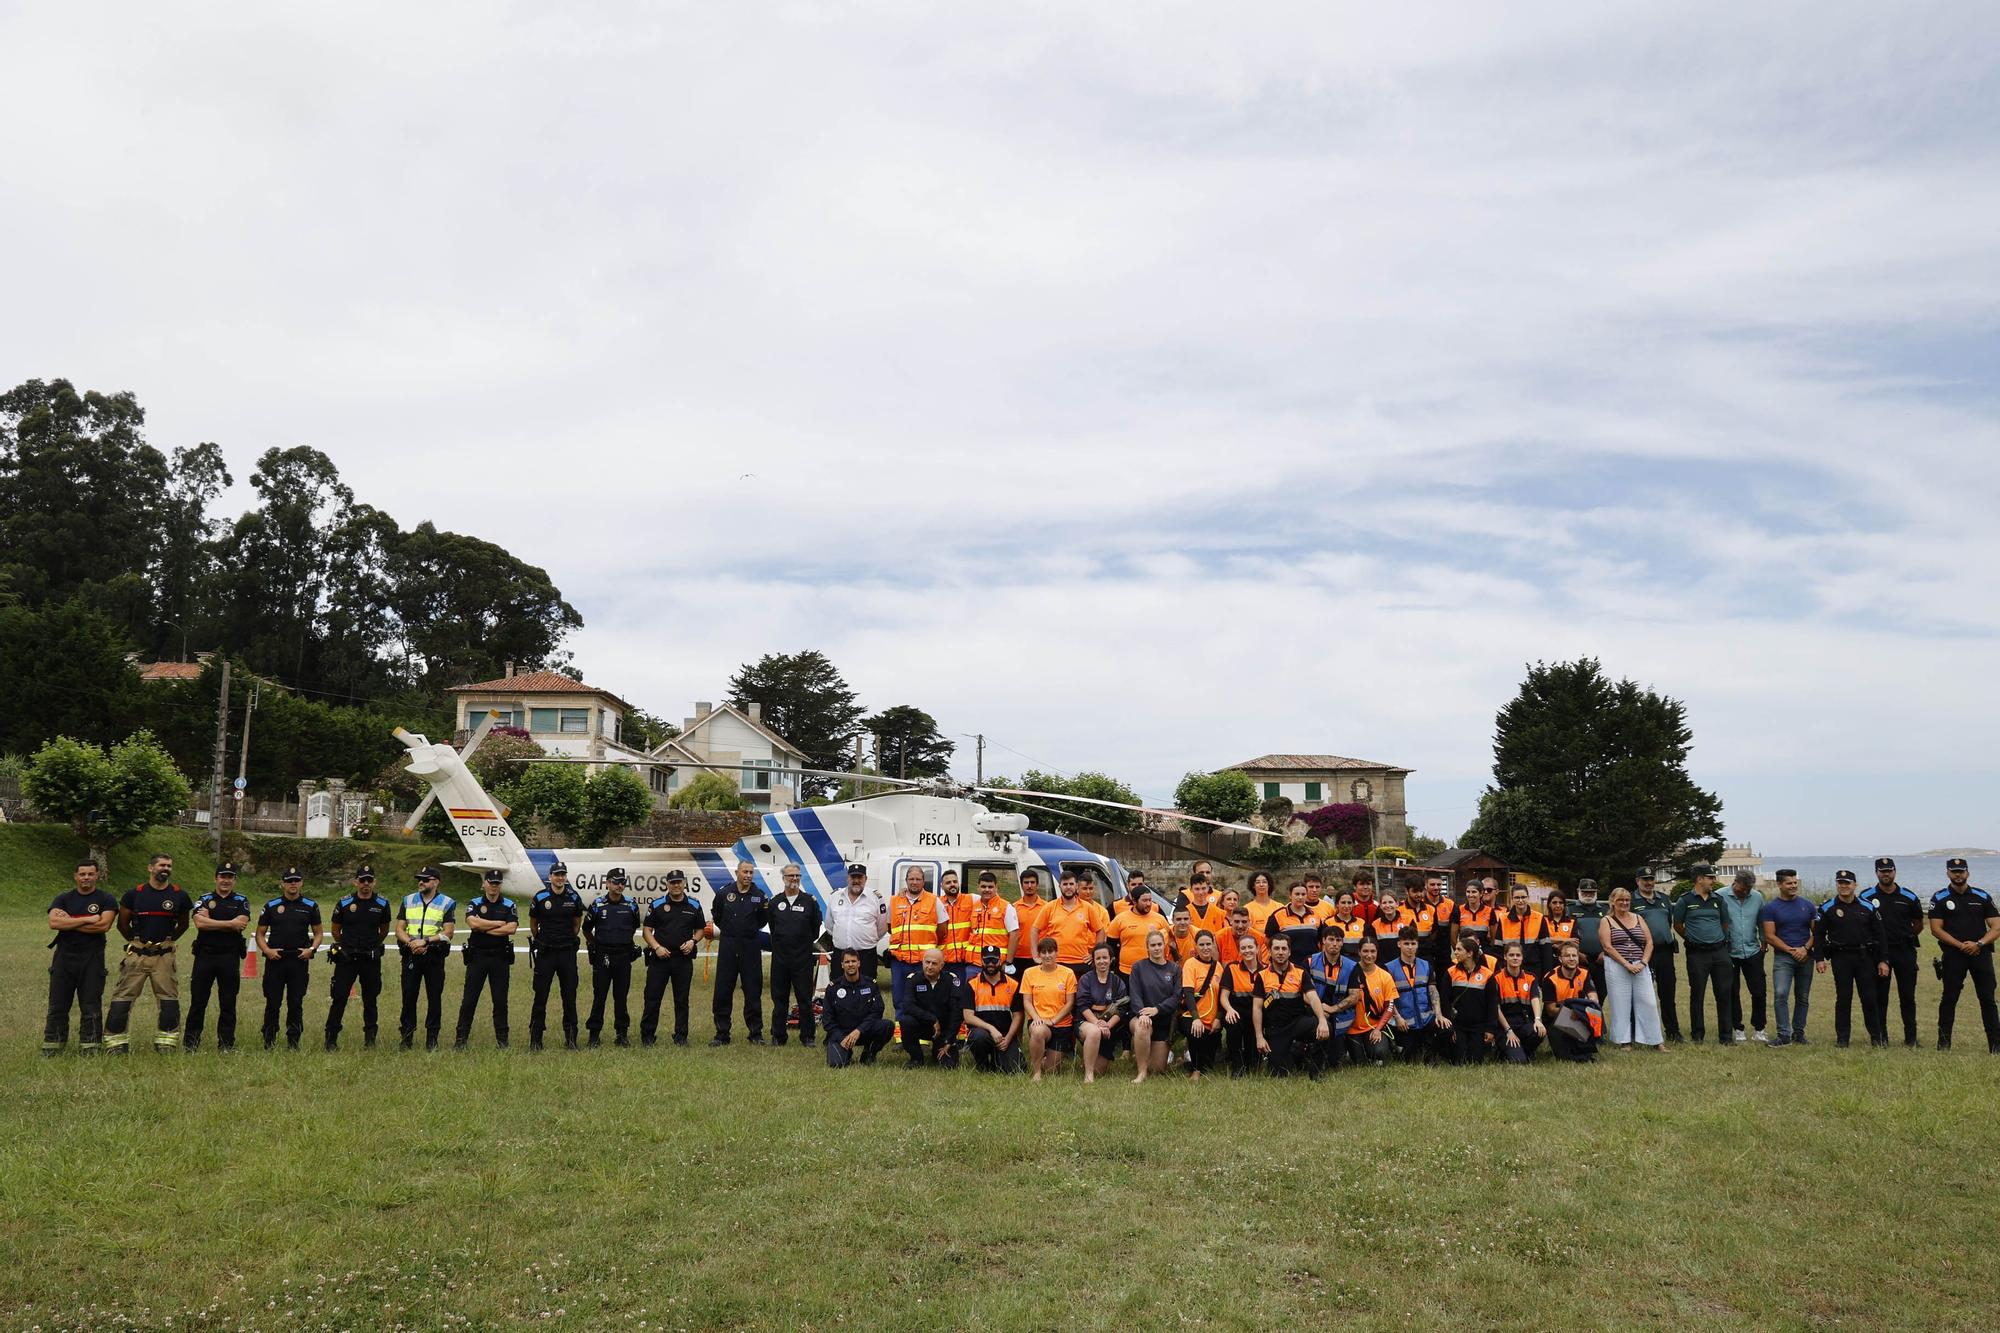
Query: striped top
[[1630, 944]]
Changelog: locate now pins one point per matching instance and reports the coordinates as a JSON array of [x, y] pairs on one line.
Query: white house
[[732, 736], [562, 715]]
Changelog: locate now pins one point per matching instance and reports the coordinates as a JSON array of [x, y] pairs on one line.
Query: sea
[[1923, 875]]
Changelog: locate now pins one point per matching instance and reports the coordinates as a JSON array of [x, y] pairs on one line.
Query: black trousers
[[919, 1027], [1202, 1050], [1666, 984], [492, 969], [610, 973], [1368, 1047], [552, 964], [1567, 1047], [1242, 1045], [792, 982], [1711, 968], [1979, 967], [875, 1034], [1293, 1044], [987, 1055], [1749, 971], [1902, 960], [424, 971], [739, 961], [1468, 1044], [285, 985], [350, 971], [1415, 1044], [75, 978], [221, 974], [1852, 973], [677, 968]]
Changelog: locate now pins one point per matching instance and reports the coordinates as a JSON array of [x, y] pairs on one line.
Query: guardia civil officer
[[361, 922], [741, 910], [151, 916], [221, 925], [1847, 933], [490, 923], [672, 930], [608, 928], [1966, 922], [795, 931], [1902, 914], [852, 1009], [553, 930], [80, 918], [425, 924], [288, 935]]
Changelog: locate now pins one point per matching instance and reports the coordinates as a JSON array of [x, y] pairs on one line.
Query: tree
[[1069, 818], [66, 674], [1227, 794], [1275, 811], [186, 560], [615, 799], [908, 743], [468, 607], [555, 796], [1590, 778], [278, 561], [707, 791], [1425, 847], [804, 700], [105, 797], [642, 731]]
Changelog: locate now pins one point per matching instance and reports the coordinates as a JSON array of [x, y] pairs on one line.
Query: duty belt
[[136, 947]]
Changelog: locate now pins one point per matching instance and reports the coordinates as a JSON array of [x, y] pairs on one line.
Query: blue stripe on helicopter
[[832, 865], [542, 861]]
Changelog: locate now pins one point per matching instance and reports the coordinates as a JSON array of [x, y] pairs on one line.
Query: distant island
[[1960, 851]]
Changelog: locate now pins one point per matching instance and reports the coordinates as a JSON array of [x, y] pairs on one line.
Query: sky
[[1148, 387]]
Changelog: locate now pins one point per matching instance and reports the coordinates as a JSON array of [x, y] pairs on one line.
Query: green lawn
[[754, 1188]]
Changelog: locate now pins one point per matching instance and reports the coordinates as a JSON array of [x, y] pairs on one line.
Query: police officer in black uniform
[[221, 920], [741, 910], [80, 917], [425, 923], [608, 928], [852, 1009], [796, 924], [1847, 933], [1966, 922], [489, 958], [672, 928], [553, 930], [1902, 914], [361, 922], [288, 935]]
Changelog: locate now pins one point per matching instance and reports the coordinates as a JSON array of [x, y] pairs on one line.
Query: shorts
[[1061, 1040]]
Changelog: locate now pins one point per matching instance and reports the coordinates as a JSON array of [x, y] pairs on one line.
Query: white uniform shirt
[[856, 923]]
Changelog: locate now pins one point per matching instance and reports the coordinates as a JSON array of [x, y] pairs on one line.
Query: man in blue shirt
[[1787, 922], [1744, 905]]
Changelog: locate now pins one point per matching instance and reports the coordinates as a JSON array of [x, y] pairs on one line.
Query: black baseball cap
[[615, 875], [364, 872], [1845, 877], [1956, 863], [676, 877], [494, 877], [857, 869], [292, 875], [558, 868], [990, 954], [1885, 863], [428, 872], [227, 868]]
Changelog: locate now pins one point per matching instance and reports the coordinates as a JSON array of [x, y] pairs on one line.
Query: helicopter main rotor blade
[[1170, 843], [724, 768], [1120, 805]]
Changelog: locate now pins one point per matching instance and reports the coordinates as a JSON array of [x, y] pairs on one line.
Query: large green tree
[[66, 674], [908, 743], [1590, 778], [1073, 817], [1228, 795], [804, 700], [187, 558], [468, 607]]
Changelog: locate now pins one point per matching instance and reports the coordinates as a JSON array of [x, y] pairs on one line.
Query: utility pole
[[243, 763], [221, 758], [979, 763]]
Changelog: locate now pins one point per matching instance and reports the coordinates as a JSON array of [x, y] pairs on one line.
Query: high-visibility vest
[[1352, 932], [421, 919], [957, 942], [1413, 987], [1478, 920], [1517, 989], [1564, 929], [1388, 927], [988, 928], [994, 995], [1478, 979], [1210, 918], [1424, 919], [1568, 989], [913, 926], [1525, 931]]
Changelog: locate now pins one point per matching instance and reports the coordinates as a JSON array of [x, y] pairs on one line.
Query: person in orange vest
[[1517, 1000], [1201, 1004], [1316, 899], [1289, 1019], [1048, 999], [1238, 997], [1352, 928], [1571, 1000], [1297, 923], [961, 956], [1027, 914], [1560, 924], [916, 923], [1521, 924], [1390, 918], [1137, 919], [1475, 917], [994, 923], [1469, 1002], [993, 1014], [1077, 925], [1440, 941]]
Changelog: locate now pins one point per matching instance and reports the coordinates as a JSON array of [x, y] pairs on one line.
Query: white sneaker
[[1740, 1038], [1761, 1035]]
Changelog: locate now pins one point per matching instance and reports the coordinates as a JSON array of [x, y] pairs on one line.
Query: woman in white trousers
[[1631, 1007]]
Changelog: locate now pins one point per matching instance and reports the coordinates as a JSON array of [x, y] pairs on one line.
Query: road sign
[[236, 795], [241, 783]]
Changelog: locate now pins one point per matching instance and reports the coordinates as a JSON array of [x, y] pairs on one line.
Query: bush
[[1342, 824], [1394, 854], [707, 791], [1277, 854]]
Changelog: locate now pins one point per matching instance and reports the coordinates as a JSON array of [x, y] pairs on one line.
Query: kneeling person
[[852, 1010], [932, 1012], [993, 1014], [1289, 1020], [1048, 1000]]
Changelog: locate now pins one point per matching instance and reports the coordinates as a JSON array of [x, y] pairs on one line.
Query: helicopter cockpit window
[[1010, 883], [1092, 881]]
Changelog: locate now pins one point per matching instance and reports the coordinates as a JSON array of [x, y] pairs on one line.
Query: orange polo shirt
[[1074, 928], [1044, 989]]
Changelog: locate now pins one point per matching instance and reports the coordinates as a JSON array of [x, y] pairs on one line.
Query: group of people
[[1245, 980]]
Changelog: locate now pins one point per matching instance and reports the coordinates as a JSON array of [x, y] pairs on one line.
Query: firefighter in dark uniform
[[553, 930], [221, 923], [151, 916], [288, 935], [672, 930], [1966, 922], [934, 1011], [361, 923], [80, 917], [741, 910], [608, 928], [795, 930], [425, 923], [1902, 914], [490, 923], [1847, 934], [852, 1009]]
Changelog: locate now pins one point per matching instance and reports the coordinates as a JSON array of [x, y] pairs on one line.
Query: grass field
[[754, 1188]]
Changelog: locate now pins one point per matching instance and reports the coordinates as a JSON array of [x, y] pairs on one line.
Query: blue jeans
[[899, 983], [1788, 972]]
